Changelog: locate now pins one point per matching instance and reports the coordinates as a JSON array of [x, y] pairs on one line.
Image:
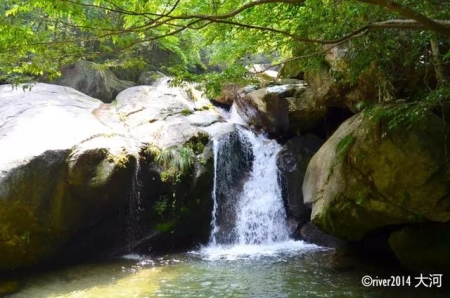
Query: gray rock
[[311, 233], [150, 77], [86, 78], [281, 108], [44, 199], [67, 164]]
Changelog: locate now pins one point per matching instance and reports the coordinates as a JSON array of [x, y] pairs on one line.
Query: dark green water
[[250, 271]]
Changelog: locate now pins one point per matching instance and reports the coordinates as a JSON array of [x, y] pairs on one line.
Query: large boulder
[[78, 176], [175, 126], [59, 170], [85, 77], [364, 177], [281, 109]]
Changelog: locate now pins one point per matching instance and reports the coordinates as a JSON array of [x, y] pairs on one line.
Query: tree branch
[[411, 14]]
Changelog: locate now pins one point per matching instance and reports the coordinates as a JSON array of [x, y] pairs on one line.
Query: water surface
[[292, 269]]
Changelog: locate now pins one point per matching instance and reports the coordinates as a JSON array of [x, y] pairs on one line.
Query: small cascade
[[134, 208], [214, 228], [261, 216], [248, 206]]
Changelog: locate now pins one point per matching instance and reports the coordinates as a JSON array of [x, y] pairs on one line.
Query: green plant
[[152, 150], [119, 159], [345, 143], [161, 206], [175, 162], [186, 112]]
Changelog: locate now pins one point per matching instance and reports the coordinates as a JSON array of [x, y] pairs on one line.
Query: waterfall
[[261, 216], [214, 228], [248, 206]]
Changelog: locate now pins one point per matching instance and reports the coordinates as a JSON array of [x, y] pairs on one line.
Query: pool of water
[[282, 270]]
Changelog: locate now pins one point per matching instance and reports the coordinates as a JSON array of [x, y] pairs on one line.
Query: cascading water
[[248, 206], [249, 217], [261, 217], [214, 228]]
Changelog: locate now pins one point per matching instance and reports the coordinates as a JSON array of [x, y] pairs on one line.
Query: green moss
[[344, 144], [341, 152], [24, 241], [186, 112], [197, 143], [164, 227]]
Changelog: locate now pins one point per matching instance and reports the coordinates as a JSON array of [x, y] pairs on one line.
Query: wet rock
[[9, 287], [292, 161], [311, 233]]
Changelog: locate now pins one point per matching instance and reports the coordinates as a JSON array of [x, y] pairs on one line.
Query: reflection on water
[[301, 273]]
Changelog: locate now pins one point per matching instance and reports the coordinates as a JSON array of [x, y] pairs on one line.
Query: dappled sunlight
[[99, 280]]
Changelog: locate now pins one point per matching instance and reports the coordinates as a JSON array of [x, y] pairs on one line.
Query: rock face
[[48, 137], [149, 77], [280, 109], [364, 178], [100, 84], [292, 161], [68, 169]]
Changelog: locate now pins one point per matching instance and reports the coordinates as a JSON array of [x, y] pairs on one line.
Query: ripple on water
[[254, 251]]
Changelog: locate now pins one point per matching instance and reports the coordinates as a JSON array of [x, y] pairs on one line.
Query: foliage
[[152, 150], [175, 162], [409, 114], [38, 36], [161, 206]]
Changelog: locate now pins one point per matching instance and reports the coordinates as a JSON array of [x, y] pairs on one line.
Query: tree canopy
[[38, 36]]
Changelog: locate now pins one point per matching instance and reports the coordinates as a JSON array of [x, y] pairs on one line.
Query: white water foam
[[232, 116], [261, 217], [254, 251]]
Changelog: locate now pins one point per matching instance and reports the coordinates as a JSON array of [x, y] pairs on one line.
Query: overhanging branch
[[409, 13]]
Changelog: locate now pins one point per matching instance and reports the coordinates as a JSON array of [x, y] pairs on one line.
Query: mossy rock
[[46, 201], [364, 178]]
